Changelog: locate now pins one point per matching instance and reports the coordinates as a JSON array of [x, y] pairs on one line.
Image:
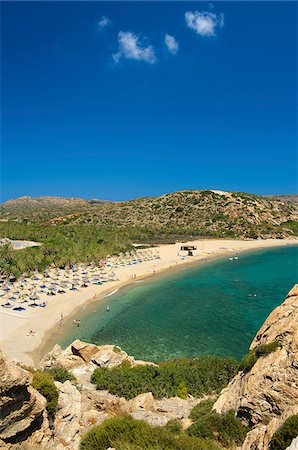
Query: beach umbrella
[[7, 305]]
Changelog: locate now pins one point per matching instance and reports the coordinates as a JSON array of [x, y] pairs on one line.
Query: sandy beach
[[19, 344]]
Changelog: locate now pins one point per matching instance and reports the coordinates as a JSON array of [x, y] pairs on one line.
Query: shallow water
[[215, 308]]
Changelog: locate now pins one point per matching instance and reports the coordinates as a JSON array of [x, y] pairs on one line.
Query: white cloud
[[131, 47], [171, 43], [203, 22], [104, 22]]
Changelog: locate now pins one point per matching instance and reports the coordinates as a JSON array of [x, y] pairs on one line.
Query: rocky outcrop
[[143, 406], [22, 408], [82, 358], [159, 412], [268, 394]]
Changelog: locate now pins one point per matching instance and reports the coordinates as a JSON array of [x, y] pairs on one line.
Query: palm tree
[[6, 253]]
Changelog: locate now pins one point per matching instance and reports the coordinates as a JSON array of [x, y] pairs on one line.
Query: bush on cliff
[[61, 374], [179, 377], [44, 383], [126, 433], [252, 356], [265, 349], [283, 437], [226, 430]]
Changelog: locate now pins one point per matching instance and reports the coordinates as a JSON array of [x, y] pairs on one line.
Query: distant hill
[[193, 213], [45, 207], [291, 198], [27, 202]]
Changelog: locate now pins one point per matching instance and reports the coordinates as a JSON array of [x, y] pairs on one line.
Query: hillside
[[192, 213], [291, 198]]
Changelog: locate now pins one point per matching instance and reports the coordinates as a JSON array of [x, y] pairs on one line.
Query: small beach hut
[[188, 248]]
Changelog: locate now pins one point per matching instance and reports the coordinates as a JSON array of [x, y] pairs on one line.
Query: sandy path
[[14, 329]]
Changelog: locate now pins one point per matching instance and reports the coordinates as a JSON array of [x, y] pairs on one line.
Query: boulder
[[143, 402], [106, 356], [61, 358], [83, 350]]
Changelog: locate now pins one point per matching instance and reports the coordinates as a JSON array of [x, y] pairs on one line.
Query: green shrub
[[60, 374], [283, 437], [173, 426], [44, 383], [203, 408], [251, 358], [227, 429], [248, 362], [126, 433], [182, 390], [265, 349], [196, 376]]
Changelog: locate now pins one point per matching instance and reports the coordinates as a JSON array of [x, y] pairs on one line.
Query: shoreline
[[15, 341]]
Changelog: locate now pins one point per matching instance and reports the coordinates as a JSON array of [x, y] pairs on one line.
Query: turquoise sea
[[215, 308]]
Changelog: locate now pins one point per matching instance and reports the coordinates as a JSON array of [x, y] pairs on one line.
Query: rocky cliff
[[266, 395], [22, 408]]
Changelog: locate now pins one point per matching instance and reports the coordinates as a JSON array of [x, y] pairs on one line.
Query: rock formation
[[22, 407], [82, 358], [268, 394], [24, 424]]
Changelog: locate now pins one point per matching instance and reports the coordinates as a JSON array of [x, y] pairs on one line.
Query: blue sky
[[120, 100]]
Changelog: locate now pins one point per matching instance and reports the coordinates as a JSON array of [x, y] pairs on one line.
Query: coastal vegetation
[[283, 437], [252, 356], [209, 431], [61, 246], [179, 377], [61, 374], [207, 424], [44, 383], [77, 230], [127, 433]]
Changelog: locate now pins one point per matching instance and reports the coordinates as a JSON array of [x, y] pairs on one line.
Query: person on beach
[[31, 333]]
